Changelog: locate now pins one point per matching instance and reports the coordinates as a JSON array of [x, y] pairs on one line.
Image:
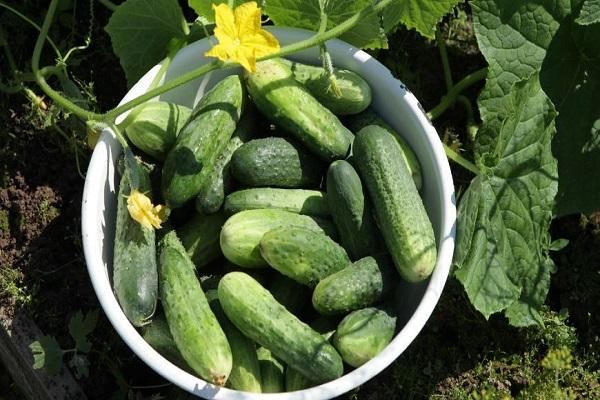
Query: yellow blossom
[[240, 35], [141, 209]]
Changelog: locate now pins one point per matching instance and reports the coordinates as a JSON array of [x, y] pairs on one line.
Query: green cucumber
[[153, 126], [399, 210], [241, 234], [301, 201], [271, 371], [302, 254], [353, 93], [201, 141], [246, 371], [276, 161], [256, 313], [219, 180], [194, 327], [289, 105], [359, 285], [158, 335], [351, 211], [294, 380], [135, 274], [200, 237], [369, 117], [288, 293], [362, 334]]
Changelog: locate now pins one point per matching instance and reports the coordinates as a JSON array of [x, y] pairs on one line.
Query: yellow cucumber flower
[[141, 209], [240, 35]]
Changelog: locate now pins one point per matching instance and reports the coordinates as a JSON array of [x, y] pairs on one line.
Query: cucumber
[[200, 237], [301, 201], [354, 92], [294, 380], [194, 327], [399, 210], [362, 334], [135, 274], [276, 161], [289, 105], [369, 117], [201, 141], [219, 180], [246, 371], [351, 211], [272, 372], [302, 254], [288, 293], [256, 313], [359, 285], [158, 335], [153, 126], [241, 234]]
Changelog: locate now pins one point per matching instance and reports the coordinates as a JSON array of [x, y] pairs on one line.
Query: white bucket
[[391, 99]]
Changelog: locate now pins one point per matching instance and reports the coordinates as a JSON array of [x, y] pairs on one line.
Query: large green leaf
[[590, 12], [515, 38], [571, 76], [307, 14], [504, 215], [140, 31], [422, 15]]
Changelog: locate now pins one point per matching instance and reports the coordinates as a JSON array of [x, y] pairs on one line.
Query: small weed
[[11, 284]]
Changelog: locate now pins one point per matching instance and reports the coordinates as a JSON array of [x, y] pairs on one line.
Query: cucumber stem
[[460, 160], [450, 98]]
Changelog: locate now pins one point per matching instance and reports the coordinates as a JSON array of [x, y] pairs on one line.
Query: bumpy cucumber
[[288, 292], [241, 234], [302, 254], [289, 105], [351, 210], [301, 201], [158, 335], [135, 275], [201, 141], [219, 180], [261, 318], [246, 372], [294, 380], [200, 237], [272, 372], [153, 127], [400, 212], [369, 117], [354, 93], [194, 327], [276, 161], [362, 334], [356, 286]]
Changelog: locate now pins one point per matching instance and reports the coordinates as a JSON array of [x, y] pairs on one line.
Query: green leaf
[[422, 15], [513, 37], [47, 354], [80, 327], [571, 77], [502, 239], [521, 38], [204, 8], [590, 13], [140, 31], [307, 14]]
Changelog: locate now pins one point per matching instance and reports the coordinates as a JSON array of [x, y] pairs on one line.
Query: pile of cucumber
[[295, 212]]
